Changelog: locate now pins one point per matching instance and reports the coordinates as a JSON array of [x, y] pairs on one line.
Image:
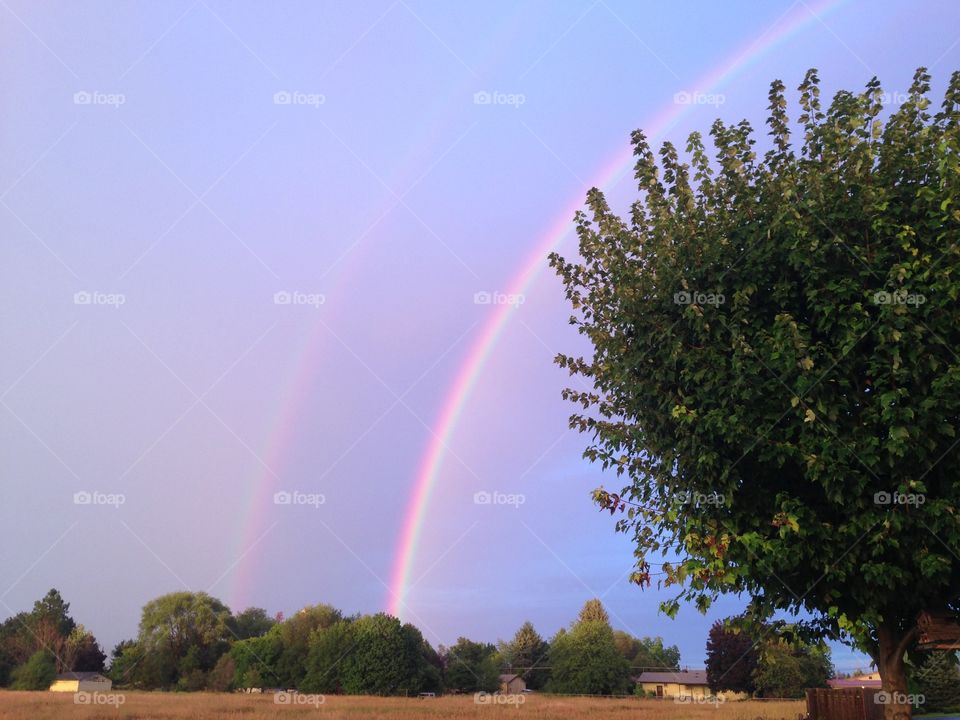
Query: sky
[[277, 318]]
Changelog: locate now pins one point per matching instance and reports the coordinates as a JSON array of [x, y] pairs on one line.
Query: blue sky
[[151, 164]]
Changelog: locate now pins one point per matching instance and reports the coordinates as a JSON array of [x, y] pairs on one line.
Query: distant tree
[[328, 647], [471, 666], [777, 335], [938, 680], [124, 659], [527, 655], [256, 661], [593, 610], [732, 658], [294, 633], [37, 673], [385, 660], [182, 635], [585, 659], [252, 622], [652, 653], [220, 679]]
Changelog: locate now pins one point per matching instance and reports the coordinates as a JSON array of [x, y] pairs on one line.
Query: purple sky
[[150, 164]]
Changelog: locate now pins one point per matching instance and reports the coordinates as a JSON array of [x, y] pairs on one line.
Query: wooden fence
[[843, 704]]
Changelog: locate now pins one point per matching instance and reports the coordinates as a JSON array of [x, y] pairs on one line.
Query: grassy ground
[[209, 706]]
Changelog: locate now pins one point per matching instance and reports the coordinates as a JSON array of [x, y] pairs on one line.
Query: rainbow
[[428, 471]]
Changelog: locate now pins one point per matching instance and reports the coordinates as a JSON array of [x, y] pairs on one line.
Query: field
[[207, 706]]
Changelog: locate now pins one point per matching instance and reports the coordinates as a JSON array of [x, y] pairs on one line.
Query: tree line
[[188, 641], [191, 641]]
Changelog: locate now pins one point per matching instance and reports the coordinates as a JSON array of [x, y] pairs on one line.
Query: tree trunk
[[893, 677]]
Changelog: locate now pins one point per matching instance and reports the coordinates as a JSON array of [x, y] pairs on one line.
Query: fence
[[843, 704]]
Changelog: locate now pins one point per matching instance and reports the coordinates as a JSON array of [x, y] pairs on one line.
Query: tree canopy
[[774, 369]]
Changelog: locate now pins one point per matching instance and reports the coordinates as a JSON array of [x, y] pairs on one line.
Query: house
[[74, 682], [512, 684], [685, 684], [864, 680]]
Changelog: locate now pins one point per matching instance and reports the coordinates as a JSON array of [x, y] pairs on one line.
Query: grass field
[[208, 706]]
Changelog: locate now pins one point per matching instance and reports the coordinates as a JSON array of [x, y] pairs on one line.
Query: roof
[[853, 683], [84, 676], [687, 677], [509, 678]]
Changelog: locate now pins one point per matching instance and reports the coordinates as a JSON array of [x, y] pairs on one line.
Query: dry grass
[[209, 706]]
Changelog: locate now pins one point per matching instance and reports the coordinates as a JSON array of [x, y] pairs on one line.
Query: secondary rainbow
[[469, 372]]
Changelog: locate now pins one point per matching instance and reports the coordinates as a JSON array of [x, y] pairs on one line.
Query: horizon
[[279, 319]]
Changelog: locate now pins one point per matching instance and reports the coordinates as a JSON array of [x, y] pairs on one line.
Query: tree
[[256, 659], [294, 633], [731, 659], [585, 659], [526, 655], [385, 659], [773, 365], [37, 673], [182, 635], [651, 654], [786, 667], [938, 680], [328, 647], [82, 652], [593, 610], [252, 622], [221, 677], [471, 666]]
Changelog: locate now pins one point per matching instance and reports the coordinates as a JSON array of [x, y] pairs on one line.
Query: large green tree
[[585, 659], [526, 655], [774, 368], [471, 666], [182, 635]]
